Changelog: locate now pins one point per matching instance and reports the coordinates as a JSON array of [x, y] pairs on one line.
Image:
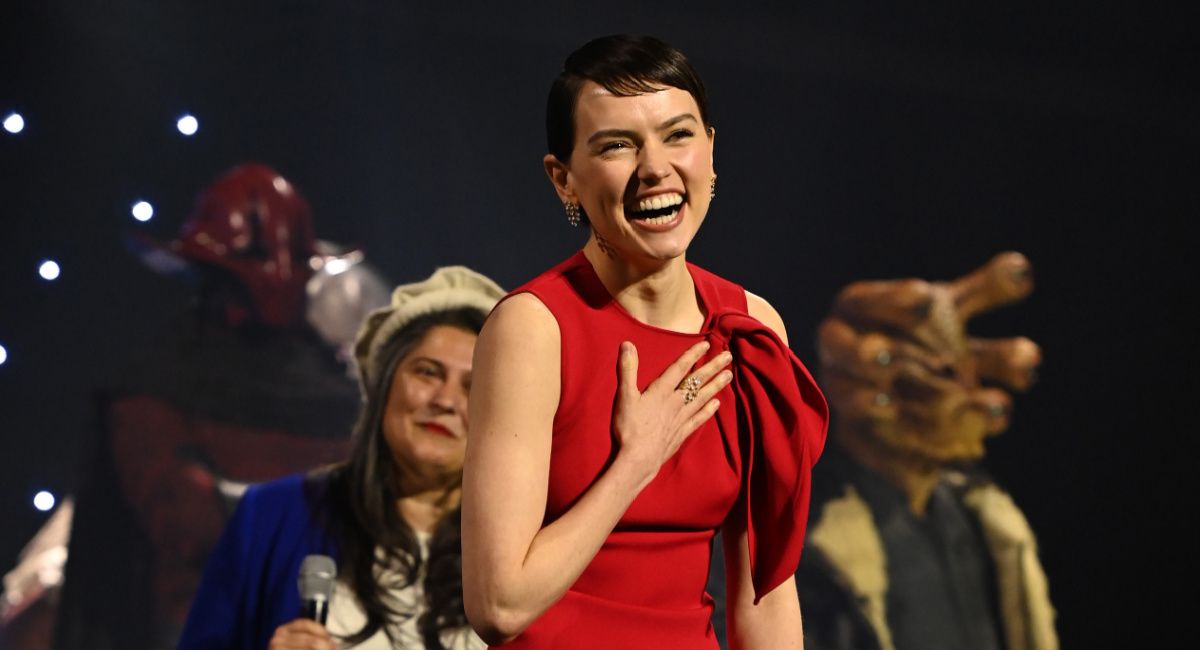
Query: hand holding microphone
[[317, 576]]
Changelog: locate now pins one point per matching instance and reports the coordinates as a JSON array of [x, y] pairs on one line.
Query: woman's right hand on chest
[[651, 425]]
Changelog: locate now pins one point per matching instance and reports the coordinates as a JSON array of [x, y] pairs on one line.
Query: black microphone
[[317, 574]]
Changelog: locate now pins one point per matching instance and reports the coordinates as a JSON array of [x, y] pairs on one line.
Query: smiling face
[[641, 168], [425, 421]]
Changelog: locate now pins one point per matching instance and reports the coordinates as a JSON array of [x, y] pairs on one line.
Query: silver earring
[[572, 212], [712, 188]]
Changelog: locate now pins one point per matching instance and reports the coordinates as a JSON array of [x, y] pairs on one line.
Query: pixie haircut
[[624, 65]]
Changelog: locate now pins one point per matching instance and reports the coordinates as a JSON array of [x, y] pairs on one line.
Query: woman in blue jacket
[[389, 515]]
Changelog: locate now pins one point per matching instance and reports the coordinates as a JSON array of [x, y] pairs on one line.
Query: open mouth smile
[[657, 210]]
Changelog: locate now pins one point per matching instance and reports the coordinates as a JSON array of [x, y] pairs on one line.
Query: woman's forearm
[[518, 592], [775, 621]]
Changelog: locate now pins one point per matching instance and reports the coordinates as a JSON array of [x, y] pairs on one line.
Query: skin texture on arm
[[775, 621], [513, 568], [514, 395], [765, 313]]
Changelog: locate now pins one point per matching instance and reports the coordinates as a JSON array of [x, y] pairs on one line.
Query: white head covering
[[450, 287]]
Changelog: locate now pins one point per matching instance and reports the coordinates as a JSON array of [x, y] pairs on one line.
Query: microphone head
[[317, 575]]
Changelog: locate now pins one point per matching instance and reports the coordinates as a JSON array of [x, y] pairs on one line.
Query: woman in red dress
[[628, 405]]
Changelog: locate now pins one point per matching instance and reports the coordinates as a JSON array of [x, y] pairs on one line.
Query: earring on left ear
[[712, 188], [572, 209]]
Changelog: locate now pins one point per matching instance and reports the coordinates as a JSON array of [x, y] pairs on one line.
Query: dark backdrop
[[852, 143]]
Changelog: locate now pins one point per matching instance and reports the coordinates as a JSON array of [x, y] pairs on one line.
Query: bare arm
[[775, 621], [766, 314], [513, 568]]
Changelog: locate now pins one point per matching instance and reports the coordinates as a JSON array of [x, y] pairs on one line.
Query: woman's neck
[[424, 508], [660, 293]]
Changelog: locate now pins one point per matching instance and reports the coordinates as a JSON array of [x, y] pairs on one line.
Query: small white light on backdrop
[[14, 123], [44, 501], [142, 211], [187, 124], [49, 270]]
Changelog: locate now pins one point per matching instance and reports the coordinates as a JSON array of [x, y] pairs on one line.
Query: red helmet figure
[[255, 231], [197, 413]]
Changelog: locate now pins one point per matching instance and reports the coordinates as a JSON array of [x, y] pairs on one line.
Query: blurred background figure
[[341, 293], [910, 545], [387, 518], [252, 383], [31, 588]]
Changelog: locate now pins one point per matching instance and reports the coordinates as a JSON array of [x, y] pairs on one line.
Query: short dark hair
[[624, 64]]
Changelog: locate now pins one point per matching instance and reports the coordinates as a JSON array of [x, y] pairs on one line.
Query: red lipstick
[[434, 427]]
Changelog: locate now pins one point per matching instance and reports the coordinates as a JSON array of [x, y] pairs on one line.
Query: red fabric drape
[[780, 421]]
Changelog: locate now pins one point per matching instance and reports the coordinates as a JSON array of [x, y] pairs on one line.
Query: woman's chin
[[665, 247], [434, 459], [639, 247], [670, 243]]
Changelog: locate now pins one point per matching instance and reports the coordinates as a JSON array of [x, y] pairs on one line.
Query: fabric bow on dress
[[779, 423]]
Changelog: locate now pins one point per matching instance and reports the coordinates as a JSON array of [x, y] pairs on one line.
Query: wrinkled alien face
[[902, 373], [938, 410]]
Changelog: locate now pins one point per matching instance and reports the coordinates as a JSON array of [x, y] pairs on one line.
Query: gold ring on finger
[[691, 386]]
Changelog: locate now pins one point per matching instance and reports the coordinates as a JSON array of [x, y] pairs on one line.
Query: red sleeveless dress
[[645, 587]]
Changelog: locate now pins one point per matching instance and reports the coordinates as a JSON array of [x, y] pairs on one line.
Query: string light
[[43, 500], [49, 270], [14, 123], [142, 211], [188, 124]]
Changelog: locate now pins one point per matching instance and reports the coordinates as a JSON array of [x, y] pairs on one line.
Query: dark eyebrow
[[677, 119], [612, 133], [435, 362], [621, 133]]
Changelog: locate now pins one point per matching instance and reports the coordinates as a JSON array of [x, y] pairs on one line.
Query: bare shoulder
[[521, 320], [515, 377], [517, 350], [764, 312]]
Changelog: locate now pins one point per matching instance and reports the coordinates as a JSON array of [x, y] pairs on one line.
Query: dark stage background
[[852, 143]]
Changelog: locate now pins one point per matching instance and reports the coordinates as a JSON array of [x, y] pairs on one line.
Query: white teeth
[[658, 221], [659, 202]]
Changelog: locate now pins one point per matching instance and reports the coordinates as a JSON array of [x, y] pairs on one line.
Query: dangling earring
[[712, 188], [572, 212]]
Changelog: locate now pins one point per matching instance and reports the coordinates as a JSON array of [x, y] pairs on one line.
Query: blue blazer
[[249, 586]]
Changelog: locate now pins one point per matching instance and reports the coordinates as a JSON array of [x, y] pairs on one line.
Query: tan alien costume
[[914, 397]]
